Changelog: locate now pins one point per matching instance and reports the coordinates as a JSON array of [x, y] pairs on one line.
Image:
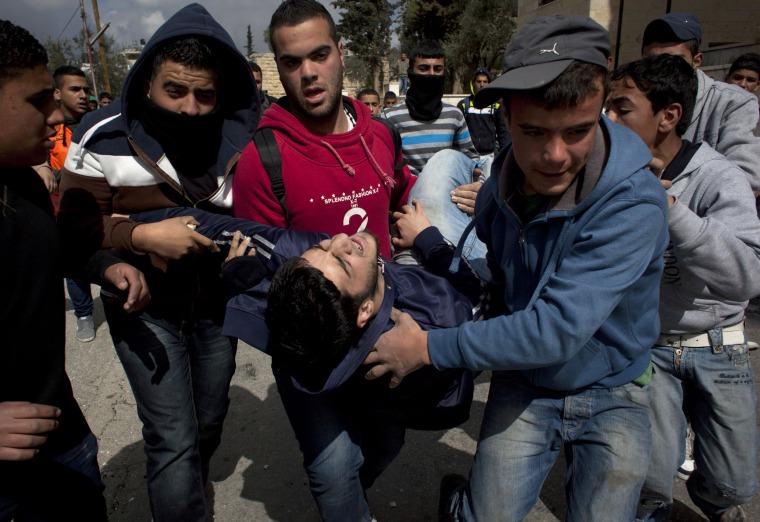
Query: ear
[[697, 60], [671, 115], [146, 87], [57, 95], [366, 312], [342, 54]]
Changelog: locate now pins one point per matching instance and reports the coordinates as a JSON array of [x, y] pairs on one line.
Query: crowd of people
[[588, 236]]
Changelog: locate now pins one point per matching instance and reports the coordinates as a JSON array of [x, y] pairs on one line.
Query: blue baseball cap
[[677, 26]]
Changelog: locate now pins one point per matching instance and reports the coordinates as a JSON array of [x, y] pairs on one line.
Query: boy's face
[[552, 145], [74, 97], [257, 77], [373, 102], [674, 49], [744, 78], [30, 115], [349, 262], [480, 81], [627, 105], [390, 102]]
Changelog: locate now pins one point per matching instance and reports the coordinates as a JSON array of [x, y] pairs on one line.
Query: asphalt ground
[[257, 475]]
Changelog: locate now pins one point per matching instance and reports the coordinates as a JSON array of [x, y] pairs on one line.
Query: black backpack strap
[[269, 153], [396, 136]]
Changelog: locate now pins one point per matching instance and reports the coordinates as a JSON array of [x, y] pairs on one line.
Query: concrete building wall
[[734, 22]]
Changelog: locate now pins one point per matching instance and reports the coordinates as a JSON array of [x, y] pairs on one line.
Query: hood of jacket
[[481, 70], [240, 105]]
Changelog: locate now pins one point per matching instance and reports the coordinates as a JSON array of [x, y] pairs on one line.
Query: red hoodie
[[334, 183]]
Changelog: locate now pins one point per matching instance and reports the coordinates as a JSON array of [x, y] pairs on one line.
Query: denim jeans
[[606, 436], [716, 388], [180, 378], [66, 487], [403, 85], [81, 297], [344, 451], [445, 171], [486, 162]]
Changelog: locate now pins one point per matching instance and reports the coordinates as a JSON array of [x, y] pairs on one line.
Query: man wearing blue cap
[[576, 227], [725, 116]]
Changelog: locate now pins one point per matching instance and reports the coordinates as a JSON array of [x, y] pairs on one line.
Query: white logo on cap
[[552, 50]]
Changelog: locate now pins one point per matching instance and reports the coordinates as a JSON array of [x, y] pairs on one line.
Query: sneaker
[[732, 514], [685, 469], [85, 329], [450, 485]]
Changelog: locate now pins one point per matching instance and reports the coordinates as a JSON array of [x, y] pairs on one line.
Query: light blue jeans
[[715, 386], [606, 436], [445, 171], [403, 83]]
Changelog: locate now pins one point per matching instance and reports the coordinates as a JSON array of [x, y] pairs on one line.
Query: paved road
[[257, 472]]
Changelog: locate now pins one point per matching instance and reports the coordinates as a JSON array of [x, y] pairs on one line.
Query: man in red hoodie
[[340, 169], [341, 172]]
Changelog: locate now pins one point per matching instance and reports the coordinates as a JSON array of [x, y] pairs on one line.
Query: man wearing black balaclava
[[438, 149], [188, 108]]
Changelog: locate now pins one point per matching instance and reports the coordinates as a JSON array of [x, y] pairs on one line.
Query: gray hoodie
[[713, 260], [725, 117]]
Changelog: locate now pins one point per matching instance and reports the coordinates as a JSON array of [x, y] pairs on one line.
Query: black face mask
[[424, 96], [178, 132]]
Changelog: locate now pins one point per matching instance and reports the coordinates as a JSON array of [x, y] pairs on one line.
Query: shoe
[[732, 514], [85, 329], [450, 485], [685, 469]]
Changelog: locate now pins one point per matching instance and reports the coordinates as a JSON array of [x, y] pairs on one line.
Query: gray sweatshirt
[[712, 265], [725, 117]]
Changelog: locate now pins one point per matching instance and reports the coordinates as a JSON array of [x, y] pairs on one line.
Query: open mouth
[[314, 94], [359, 243]]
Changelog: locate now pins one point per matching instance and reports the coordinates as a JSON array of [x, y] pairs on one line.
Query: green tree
[[431, 19], [366, 27], [248, 42], [60, 53], [486, 26]]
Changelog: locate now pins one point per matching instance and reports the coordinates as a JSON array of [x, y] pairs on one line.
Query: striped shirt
[[421, 139]]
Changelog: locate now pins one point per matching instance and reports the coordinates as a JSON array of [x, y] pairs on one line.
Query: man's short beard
[[332, 107]]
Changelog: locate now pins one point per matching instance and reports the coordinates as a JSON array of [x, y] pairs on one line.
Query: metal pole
[[619, 32], [89, 49], [106, 79]]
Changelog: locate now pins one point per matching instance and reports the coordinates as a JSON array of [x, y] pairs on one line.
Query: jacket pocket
[[588, 366]]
